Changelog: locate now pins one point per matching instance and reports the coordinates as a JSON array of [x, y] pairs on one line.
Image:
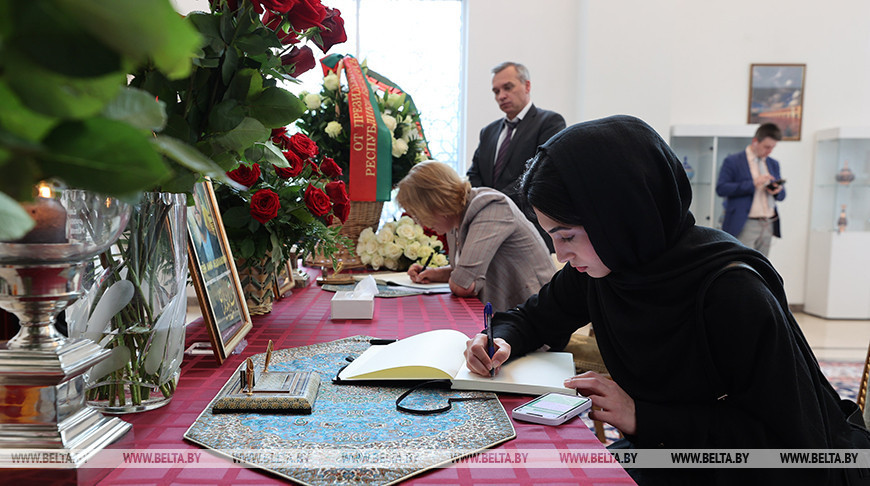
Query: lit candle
[[49, 216]]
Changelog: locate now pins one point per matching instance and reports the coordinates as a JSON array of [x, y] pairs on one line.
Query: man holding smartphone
[[751, 183]]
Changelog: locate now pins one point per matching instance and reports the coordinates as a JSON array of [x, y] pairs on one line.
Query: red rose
[[296, 166], [317, 201], [282, 6], [279, 137], [314, 169], [301, 59], [264, 205], [332, 32], [329, 168], [306, 14], [337, 192], [342, 210], [244, 175], [274, 22], [302, 145]]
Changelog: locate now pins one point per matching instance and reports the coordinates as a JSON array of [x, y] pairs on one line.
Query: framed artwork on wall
[[214, 274], [776, 95]]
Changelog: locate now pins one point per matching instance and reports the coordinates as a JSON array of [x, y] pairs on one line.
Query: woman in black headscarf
[[698, 358]]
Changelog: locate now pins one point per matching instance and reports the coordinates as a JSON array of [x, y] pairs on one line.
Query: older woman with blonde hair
[[495, 253]]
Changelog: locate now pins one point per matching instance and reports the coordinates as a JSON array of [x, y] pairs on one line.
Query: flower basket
[[257, 277], [363, 214]]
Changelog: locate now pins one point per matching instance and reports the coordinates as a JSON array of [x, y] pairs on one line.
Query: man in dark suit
[[751, 183], [507, 143]]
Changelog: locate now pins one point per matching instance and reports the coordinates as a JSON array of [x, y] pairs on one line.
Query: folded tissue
[[358, 303]]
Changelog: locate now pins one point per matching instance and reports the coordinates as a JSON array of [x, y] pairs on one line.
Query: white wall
[[682, 62]]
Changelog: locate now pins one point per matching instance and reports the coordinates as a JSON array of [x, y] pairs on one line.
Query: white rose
[[413, 251], [385, 235], [331, 82], [333, 129], [312, 101], [377, 261], [423, 253], [419, 234], [391, 263], [391, 227], [391, 251], [370, 246], [439, 260], [390, 122], [365, 258], [367, 234], [405, 219], [406, 231], [400, 147], [435, 243]]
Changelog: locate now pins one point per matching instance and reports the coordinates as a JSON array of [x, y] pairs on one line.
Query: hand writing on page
[[617, 407], [477, 358], [418, 274]]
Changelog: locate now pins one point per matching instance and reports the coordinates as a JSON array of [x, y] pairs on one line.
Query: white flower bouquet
[[399, 244]]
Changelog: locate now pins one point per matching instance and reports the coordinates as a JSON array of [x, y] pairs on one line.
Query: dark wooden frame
[[284, 280], [214, 276], [774, 98]]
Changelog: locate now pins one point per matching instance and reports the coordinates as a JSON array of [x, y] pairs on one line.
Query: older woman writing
[[495, 252]]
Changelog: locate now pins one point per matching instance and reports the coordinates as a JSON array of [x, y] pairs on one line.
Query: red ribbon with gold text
[[371, 158]]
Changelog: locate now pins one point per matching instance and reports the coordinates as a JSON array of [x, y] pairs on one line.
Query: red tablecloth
[[302, 319]]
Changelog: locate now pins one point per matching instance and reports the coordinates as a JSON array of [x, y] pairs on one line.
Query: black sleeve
[[773, 397], [548, 317]]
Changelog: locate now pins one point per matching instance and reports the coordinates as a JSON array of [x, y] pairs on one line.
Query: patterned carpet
[[845, 376]]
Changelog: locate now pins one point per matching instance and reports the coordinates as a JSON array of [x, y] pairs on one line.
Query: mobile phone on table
[[552, 409]]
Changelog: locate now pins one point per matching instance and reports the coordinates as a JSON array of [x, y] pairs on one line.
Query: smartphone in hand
[[552, 409], [774, 184]]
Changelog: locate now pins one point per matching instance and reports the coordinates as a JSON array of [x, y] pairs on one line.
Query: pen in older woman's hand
[[428, 261]]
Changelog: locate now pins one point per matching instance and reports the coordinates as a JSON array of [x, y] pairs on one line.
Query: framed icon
[[214, 274]]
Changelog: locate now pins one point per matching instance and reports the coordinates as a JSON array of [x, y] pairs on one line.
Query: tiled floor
[[834, 340]]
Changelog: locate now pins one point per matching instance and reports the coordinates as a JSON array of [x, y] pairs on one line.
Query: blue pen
[[490, 344]]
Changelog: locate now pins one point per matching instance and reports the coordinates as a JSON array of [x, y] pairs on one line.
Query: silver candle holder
[[42, 387]]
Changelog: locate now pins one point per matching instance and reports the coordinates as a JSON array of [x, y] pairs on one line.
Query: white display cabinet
[[704, 147], [838, 258]]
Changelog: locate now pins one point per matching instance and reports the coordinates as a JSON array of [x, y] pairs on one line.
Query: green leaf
[[139, 29], [247, 247], [225, 116], [236, 217], [14, 220], [240, 138], [20, 120], [276, 107], [103, 155], [137, 108], [54, 94], [188, 157], [245, 84], [272, 154]]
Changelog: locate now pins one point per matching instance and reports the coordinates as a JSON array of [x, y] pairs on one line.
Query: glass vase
[[136, 307]]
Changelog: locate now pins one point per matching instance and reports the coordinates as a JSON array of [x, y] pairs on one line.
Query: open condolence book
[[402, 279], [439, 355]]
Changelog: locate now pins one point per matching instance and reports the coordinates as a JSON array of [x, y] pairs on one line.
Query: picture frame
[[284, 281], [214, 275], [776, 95]]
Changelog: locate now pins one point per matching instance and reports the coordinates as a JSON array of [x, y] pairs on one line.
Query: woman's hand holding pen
[[477, 358], [419, 274]]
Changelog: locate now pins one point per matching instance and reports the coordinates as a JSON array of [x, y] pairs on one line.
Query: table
[[303, 318]]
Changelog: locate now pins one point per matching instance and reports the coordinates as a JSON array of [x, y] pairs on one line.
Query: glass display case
[[838, 260], [702, 148]]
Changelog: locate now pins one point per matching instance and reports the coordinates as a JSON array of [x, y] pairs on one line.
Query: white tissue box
[[347, 306]]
